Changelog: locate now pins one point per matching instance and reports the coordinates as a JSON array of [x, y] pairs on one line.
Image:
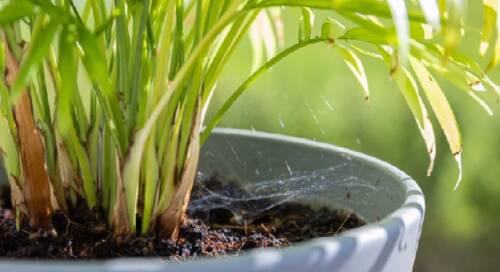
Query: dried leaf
[[36, 187]]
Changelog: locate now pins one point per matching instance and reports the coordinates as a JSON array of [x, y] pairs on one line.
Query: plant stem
[[230, 101]]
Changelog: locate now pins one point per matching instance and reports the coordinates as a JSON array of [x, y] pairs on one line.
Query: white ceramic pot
[[309, 172]]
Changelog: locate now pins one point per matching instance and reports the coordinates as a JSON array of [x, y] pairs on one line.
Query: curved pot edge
[[410, 213]]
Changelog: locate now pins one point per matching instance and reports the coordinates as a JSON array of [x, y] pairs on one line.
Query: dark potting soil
[[217, 232]]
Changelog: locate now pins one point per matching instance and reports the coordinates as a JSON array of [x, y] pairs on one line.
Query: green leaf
[[421, 31], [263, 40], [131, 174], [431, 12], [306, 23], [150, 176], [277, 25], [491, 85], [8, 148], [332, 29], [68, 71], [460, 70], [481, 102], [356, 67], [72, 141], [167, 188], [366, 35], [453, 29], [132, 162], [2, 57], [400, 18], [490, 8], [15, 10], [94, 60], [491, 13], [244, 86], [442, 109], [366, 7], [163, 55], [37, 50], [256, 43]]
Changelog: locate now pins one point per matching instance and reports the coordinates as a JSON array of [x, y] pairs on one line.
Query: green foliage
[[127, 83]]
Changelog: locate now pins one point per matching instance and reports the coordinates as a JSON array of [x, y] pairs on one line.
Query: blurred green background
[[312, 94]]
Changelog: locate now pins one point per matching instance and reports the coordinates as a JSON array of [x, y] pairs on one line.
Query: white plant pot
[[320, 174]]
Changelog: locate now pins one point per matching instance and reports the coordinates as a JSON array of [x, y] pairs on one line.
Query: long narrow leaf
[[431, 12], [400, 18], [410, 91], [357, 68], [244, 86], [306, 23], [489, 24], [442, 109], [38, 49], [95, 64], [453, 28], [494, 6], [15, 10]]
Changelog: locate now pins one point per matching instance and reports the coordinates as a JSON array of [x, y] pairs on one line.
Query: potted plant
[[102, 121]]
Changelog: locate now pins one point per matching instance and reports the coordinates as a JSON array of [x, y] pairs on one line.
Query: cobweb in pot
[[259, 196]]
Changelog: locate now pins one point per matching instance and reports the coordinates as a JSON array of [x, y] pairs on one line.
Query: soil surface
[[217, 232]]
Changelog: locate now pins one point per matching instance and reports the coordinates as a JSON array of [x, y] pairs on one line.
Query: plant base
[[215, 232]]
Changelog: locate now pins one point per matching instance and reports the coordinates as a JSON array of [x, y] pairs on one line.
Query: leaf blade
[[431, 13], [442, 110], [15, 10], [37, 50], [401, 22], [357, 68], [409, 89]]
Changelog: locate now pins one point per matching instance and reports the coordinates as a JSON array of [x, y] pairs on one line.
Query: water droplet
[[288, 168], [282, 124], [234, 153], [315, 118], [327, 103]]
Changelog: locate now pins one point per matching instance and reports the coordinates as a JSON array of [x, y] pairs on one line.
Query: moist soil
[[217, 232]]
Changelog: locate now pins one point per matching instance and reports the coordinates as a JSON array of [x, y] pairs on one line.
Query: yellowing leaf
[[409, 89], [489, 24], [356, 67], [442, 109], [492, 6]]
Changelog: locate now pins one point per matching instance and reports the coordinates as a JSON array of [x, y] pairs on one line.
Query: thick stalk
[[37, 187], [171, 219]]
